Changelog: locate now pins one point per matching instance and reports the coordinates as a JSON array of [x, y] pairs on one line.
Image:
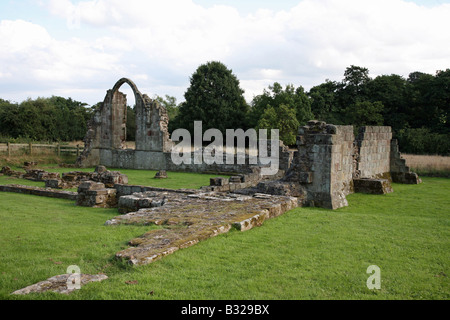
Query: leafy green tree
[[353, 87], [10, 125], [49, 119], [324, 102], [391, 91], [213, 97], [440, 102], [420, 88], [170, 103], [365, 113], [284, 119], [291, 97]]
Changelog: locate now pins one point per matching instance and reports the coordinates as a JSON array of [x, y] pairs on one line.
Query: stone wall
[[323, 164], [374, 150], [329, 160], [107, 132], [104, 141], [42, 192], [400, 172]]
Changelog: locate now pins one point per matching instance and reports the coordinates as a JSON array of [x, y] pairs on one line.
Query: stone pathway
[[190, 218]]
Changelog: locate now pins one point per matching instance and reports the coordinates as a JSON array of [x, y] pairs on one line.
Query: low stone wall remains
[[42, 192]]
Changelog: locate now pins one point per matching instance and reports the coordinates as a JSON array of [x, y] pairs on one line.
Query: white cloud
[[163, 42], [31, 57]]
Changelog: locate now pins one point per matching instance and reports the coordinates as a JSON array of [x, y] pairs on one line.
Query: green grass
[[307, 253], [175, 180]]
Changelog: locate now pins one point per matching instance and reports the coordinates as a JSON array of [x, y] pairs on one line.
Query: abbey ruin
[[330, 161]]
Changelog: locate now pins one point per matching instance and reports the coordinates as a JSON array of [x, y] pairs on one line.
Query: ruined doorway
[[126, 100], [130, 118]]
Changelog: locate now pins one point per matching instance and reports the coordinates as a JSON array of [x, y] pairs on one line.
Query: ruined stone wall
[[104, 141], [321, 172], [323, 164], [374, 150], [330, 160], [400, 172]]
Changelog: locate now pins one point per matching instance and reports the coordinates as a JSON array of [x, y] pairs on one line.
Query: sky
[[79, 49]]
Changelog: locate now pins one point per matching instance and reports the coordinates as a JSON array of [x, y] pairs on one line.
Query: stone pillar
[[323, 163]]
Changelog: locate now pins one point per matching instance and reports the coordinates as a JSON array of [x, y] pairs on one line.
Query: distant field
[[428, 165], [307, 253]]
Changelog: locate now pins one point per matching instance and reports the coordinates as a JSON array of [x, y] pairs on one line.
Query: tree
[[354, 86], [170, 103], [50, 119], [421, 111], [291, 97], [324, 102], [283, 119], [9, 121], [365, 113], [391, 91], [213, 97]]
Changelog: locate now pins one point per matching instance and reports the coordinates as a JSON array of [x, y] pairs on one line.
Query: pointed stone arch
[[104, 142]]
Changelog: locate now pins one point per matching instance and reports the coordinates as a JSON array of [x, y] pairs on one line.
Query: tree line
[[417, 108], [44, 119]]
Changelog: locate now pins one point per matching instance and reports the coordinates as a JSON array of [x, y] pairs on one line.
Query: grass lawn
[[307, 253], [175, 180]]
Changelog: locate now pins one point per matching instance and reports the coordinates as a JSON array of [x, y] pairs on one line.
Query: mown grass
[[308, 253], [175, 180]]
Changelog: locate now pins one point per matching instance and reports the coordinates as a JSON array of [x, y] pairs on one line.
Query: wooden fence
[[11, 149]]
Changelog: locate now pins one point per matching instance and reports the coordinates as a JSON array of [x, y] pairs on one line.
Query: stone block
[[53, 183], [217, 181], [235, 179], [372, 186], [161, 174]]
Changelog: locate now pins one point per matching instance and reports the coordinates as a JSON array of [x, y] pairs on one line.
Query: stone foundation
[[372, 186], [189, 218], [42, 192], [94, 194], [75, 178], [138, 201]]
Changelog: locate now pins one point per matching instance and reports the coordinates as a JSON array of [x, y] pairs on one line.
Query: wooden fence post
[[78, 150], [31, 148], [58, 150], [8, 146]]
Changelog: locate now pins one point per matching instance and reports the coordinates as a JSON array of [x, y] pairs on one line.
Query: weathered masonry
[[329, 164], [104, 141], [106, 136]]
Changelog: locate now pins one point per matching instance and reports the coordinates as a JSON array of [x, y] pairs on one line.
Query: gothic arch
[[104, 141]]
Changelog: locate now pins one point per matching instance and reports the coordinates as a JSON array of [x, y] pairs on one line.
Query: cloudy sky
[[79, 49]]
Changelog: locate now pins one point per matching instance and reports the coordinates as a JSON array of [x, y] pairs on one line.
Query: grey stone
[[58, 284]]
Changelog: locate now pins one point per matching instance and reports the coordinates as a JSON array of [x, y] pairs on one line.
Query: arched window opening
[[130, 117]]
